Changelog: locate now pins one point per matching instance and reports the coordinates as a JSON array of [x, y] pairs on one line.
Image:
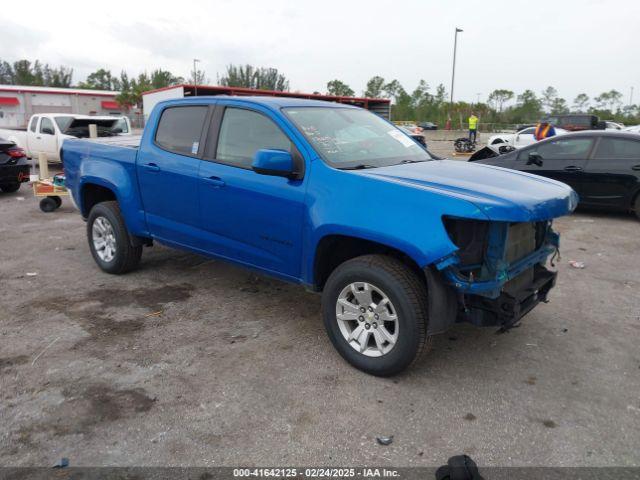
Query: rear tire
[[109, 239], [396, 292], [9, 187]]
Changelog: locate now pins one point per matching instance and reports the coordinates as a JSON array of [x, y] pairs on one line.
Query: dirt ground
[[190, 361]]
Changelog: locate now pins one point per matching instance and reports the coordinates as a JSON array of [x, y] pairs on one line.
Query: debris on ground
[[576, 264], [63, 463], [154, 314], [385, 440], [32, 274]]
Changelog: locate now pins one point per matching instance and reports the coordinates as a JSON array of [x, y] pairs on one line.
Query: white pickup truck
[[47, 131]]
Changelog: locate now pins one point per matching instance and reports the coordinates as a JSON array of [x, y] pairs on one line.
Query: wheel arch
[[335, 249]]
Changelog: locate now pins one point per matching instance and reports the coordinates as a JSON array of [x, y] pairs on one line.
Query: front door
[[250, 218], [45, 140], [168, 175], [561, 158]]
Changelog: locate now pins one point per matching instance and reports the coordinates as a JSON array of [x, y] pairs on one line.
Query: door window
[[617, 148], [180, 128], [46, 126], [564, 148], [243, 133], [32, 126]]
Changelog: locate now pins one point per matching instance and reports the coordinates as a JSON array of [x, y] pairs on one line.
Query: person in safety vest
[[544, 130], [473, 127]]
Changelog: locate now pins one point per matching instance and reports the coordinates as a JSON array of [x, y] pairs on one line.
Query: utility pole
[[455, 48], [195, 75], [478, 102], [631, 97], [453, 75]]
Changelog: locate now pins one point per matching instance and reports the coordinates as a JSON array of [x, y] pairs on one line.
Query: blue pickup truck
[[332, 197]]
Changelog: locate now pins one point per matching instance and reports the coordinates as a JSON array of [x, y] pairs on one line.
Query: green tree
[[559, 106], [441, 94], [164, 78], [339, 88], [101, 79], [610, 100], [581, 102], [549, 96], [375, 87], [498, 98], [248, 76]]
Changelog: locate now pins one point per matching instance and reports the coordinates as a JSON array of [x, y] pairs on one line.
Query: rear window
[[180, 129], [618, 148]]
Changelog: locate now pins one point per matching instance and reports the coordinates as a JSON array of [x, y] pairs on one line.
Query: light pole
[[455, 48], [195, 75], [453, 74]]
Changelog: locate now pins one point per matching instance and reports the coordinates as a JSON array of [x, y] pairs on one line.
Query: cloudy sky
[[577, 46]]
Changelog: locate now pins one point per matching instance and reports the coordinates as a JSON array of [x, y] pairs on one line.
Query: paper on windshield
[[401, 137]]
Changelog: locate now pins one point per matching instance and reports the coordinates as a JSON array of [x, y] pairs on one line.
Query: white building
[[18, 103]]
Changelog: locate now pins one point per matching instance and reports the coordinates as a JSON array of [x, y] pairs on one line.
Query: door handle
[[635, 167], [215, 182], [572, 168], [38, 138], [151, 167]]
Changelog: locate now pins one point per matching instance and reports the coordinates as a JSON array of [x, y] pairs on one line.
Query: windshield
[[355, 138]]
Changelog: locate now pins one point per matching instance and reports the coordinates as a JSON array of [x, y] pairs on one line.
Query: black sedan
[[428, 126], [14, 168], [603, 167]]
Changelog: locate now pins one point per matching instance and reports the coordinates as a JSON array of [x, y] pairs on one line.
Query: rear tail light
[[16, 152]]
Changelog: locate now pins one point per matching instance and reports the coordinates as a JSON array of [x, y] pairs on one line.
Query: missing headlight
[[470, 236]]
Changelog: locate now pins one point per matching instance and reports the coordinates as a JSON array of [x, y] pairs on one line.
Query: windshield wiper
[[360, 166], [412, 161]]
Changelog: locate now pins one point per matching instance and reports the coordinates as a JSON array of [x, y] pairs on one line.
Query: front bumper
[[17, 173], [511, 305], [507, 282]]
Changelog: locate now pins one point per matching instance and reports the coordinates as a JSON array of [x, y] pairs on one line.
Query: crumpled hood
[[501, 194]]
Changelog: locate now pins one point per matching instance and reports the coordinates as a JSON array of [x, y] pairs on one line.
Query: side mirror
[[47, 131], [534, 159], [601, 125], [116, 130], [274, 162]]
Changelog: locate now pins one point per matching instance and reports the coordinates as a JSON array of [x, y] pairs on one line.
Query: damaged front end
[[499, 270]]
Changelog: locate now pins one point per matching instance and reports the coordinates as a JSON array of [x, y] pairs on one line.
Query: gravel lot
[[190, 361]]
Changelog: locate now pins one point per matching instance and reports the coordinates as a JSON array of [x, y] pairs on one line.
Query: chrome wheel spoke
[[362, 311], [363, 340], [104, 239], [362, 292]]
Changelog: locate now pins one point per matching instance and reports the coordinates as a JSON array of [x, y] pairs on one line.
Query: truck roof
[[273, 102]]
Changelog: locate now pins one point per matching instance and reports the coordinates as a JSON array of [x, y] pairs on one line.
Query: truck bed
[[127, 141]]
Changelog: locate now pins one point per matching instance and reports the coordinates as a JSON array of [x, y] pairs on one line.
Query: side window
[[32, 125], [618, 148], [527, 131], [243, 133], [46, 126], [180, 128], [565, 148]]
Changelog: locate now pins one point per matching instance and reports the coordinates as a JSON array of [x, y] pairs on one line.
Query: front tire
[[375, 312], [109, 240]]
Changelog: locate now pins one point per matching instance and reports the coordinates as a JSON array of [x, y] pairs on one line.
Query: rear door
[[562, 158], [168, 174], [612, 175]]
